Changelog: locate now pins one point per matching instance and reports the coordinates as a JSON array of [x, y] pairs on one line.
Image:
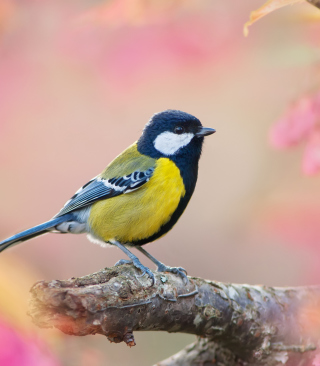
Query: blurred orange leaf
[[265, 9], [7, 13], [120, 12]]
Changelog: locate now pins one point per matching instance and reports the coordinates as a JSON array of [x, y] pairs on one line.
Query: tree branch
[[254, 324], [316, 3]]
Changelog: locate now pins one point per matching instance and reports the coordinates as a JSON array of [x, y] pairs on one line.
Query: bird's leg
[[134, 260], [163, 268]]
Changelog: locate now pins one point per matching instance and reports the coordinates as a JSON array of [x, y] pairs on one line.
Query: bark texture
[[235, 324]]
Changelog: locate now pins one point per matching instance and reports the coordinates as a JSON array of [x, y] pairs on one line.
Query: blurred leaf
[[296, 123], [139, 12], [15, 279], [311, 158], [7, 13], [21, 343], [265, 9], [300, 123], [17, 349]]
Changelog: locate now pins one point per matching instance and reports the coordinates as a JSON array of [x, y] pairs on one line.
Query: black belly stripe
[[188, 166], [169, 225]]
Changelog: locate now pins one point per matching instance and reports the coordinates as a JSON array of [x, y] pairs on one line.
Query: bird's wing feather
[[100, 188]]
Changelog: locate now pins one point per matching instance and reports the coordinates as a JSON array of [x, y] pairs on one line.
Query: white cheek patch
[[168, 143]]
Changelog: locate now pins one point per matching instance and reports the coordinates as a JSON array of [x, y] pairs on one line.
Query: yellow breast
[[139, 214]]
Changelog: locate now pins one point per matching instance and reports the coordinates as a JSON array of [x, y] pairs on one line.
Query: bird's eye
[[179, 130]]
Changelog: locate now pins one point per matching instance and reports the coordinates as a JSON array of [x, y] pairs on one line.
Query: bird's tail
[[33, 232]]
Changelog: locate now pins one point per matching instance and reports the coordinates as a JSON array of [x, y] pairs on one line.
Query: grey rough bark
[[235, 324]]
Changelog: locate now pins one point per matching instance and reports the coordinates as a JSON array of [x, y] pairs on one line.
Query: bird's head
[[173, 133]]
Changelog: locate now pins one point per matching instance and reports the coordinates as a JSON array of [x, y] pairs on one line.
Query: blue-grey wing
[[99, 188]]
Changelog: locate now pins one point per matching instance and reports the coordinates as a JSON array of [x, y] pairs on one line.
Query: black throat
[[186, 159]]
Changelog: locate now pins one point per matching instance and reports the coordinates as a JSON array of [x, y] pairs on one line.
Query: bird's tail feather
[[33, 232]]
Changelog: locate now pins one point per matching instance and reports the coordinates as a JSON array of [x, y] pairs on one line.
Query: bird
[[139, 196]]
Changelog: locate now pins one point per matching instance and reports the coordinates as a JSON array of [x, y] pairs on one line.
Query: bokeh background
[[78, 81]]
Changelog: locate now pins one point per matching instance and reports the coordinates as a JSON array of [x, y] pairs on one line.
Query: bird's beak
[[205, 131]]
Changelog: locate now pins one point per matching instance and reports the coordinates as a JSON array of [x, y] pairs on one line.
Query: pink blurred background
[[78, 81]]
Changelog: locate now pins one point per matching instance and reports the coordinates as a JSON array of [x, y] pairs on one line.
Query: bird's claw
[[144, 270], [176, 270], [181, 269]]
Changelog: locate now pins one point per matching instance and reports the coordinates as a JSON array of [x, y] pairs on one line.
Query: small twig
[[293, 348], [316, 3]]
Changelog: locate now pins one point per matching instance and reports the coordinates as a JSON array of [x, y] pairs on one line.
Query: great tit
[[140, 195]]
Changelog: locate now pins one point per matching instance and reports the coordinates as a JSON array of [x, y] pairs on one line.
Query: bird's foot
[[144, 270], [138, 265], [176, 270], [123, 261]]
